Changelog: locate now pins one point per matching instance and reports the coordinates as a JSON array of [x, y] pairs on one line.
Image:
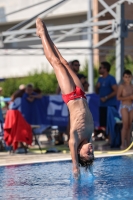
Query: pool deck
[[18, 159], [7, 159]]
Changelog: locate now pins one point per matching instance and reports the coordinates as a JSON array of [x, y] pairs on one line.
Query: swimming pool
[[112, 179]]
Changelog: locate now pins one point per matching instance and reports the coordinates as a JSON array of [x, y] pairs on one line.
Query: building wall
[[20, 65], [8, 9], [70, 12]]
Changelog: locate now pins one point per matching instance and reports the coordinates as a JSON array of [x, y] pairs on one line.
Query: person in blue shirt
[[106, 87]]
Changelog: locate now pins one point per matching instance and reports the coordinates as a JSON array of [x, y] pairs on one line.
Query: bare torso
[[81, 121], [127, 90]]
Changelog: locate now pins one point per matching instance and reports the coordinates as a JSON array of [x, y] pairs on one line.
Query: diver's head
[[86, 155]]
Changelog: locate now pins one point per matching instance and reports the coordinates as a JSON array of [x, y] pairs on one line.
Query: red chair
[[16, 129]]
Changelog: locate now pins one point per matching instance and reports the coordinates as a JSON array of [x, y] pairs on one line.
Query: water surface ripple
[[112, 179]]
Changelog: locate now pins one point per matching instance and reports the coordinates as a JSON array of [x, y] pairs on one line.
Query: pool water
[[112, 179]]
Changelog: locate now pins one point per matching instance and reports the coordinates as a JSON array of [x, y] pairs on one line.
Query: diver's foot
[[40, 26]]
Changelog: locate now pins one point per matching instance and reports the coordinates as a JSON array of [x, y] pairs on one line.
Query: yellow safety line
[[98, 152], [115, 152]]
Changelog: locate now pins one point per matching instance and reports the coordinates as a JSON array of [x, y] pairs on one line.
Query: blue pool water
[[112, 179]]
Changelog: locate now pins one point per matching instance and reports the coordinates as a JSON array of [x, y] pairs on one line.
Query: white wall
[[70, 7], [17, 66], [13, 66]]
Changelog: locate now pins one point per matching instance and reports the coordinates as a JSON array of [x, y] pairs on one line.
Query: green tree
[[45, 81], [111, 58]]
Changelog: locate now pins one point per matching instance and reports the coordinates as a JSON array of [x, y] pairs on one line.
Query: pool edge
[[43, 160]]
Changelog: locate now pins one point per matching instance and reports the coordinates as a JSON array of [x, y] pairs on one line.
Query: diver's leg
[[125, 127], [63, 61], [64, 78], [71, 72], [130, 128]]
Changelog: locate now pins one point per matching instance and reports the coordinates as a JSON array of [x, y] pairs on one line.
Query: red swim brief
[[77, 93]]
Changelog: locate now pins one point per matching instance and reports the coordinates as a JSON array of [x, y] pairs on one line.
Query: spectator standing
[[106, 87], [124, 94], [75, 65]]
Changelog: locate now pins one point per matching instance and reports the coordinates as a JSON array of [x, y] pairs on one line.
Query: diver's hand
[[76, 173]]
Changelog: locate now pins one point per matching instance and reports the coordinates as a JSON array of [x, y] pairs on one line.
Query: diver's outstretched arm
[[73, 149]]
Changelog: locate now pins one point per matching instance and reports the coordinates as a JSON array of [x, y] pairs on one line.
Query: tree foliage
[[45, 81], [111, 58]]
